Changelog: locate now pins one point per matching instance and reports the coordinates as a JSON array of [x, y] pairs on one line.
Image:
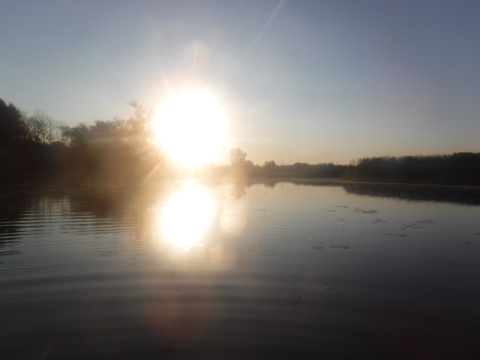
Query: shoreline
[[334, 181]]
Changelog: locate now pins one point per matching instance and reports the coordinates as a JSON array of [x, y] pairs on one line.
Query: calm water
[[183, 270]]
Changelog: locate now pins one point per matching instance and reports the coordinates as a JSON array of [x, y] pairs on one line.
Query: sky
[[301, 81]]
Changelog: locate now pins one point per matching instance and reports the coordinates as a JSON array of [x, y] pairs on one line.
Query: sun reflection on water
[[186, 216]]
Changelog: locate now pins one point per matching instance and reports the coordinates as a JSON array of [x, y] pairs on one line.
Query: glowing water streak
[[186, 216]]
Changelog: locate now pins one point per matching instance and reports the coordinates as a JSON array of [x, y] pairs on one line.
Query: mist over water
[[188, 270]]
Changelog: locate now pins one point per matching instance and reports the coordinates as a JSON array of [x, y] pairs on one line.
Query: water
[[274, 270]]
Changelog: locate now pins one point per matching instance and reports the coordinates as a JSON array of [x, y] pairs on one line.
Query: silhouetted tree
[[237, 156], [12, 126], [269, 167], [76, 137], [113, 148], [42, 128], [270, 164]]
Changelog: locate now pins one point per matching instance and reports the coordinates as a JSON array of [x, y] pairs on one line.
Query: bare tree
[[43, 128]]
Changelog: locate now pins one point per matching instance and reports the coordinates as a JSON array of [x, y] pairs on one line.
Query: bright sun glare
[[186, 216], [192, 127]]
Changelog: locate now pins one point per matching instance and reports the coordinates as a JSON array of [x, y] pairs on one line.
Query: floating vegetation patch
[[363, 211], [425, 221], [340, 246], [250, 247], [397, 235], [419, 224], [291, 295]]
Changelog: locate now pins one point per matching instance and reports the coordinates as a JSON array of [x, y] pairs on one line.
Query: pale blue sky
[[310, 81]]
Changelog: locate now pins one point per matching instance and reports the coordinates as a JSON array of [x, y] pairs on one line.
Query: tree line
[[456, 169], [36, 147], [461, 168]]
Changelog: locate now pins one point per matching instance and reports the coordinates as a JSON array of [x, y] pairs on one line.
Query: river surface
[[184, 270]]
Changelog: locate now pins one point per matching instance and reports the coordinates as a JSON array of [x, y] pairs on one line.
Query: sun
[[192, 127]]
